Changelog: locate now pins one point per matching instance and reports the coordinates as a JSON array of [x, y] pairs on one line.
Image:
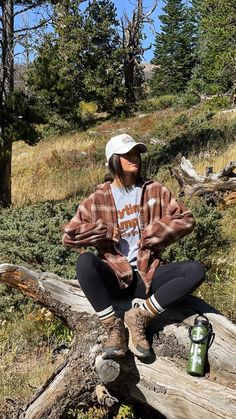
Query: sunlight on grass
[[23, 375], [218, 160], [27, 337], [53, 170], [66, 166]]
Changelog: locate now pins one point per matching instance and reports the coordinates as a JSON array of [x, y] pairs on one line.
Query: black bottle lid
[[201, 321]]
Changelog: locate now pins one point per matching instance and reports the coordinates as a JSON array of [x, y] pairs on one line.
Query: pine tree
[[216, 69], [102, 56], [56, 73], [80, 60], [174, 49]]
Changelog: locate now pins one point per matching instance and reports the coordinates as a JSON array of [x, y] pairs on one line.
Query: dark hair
[[115, 169]]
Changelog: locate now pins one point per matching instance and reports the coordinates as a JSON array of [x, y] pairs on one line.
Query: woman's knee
[[85, 259], [85, 263], [196, 271]]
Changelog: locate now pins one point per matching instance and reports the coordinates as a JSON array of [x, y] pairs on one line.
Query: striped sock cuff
[[105, 314], [153, 306]]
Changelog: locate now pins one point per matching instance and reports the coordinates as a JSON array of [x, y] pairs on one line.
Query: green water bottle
[[200, 335]]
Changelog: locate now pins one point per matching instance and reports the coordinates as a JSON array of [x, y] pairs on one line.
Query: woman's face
[[130, 162]]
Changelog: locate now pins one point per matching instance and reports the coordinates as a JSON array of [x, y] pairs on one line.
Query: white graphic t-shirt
[[127, 205]]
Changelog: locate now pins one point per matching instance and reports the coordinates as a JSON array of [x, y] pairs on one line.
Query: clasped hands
[[116, 237]]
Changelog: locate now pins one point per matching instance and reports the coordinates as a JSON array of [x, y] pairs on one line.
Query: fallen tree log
[[160, 382], [218, 184]]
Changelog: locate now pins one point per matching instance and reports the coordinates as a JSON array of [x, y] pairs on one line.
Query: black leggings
[[171, 282]]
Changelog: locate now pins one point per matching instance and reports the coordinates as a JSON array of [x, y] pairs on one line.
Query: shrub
[[157, 103], [91, 413], [56, 125], [187, 100], [201, 121], [204, 240], [31, 236], [217, 103], [24, 327], [125, 412], [87, 111], [181, 119]]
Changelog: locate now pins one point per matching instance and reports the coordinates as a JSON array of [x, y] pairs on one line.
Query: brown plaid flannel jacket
[[163, 220]]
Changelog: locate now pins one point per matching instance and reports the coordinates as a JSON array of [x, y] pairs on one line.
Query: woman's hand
[[116, 235]]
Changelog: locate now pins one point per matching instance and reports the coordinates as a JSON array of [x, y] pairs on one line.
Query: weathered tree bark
[[133, 51], [5, 172], [191, 183], [161, 382], [8, 40], [6, 88]]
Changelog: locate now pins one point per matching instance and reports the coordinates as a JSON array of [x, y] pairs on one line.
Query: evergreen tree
[[174, 49], [80, 60], [216, 69], [56, 74], [102, 55]]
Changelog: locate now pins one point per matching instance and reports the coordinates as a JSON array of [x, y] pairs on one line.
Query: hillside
[[49, 181]]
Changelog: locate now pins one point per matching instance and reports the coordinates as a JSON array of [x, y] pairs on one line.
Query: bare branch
[[33, 27], [152, 10], [30, 7], [20, 53]]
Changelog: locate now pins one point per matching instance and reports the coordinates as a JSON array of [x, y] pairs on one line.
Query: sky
[[121, 6]]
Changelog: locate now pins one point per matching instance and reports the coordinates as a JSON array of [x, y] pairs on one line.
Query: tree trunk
[[160, 382], [7, 87], [7, 48], [129, 78], [132, 29], [5, 173]]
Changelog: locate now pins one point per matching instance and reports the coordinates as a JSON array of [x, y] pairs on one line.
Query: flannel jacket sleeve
[[176, 221], [81, 231]]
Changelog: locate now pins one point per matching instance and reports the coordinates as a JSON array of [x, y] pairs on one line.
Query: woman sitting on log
[[129, 221]]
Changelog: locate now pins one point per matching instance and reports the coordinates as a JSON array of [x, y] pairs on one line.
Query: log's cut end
[[108, 369]]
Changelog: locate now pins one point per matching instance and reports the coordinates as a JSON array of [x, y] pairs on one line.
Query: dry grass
[[51, 170], [26, 353], [140, 126], [63, 167], [216, 159], [22, 376]]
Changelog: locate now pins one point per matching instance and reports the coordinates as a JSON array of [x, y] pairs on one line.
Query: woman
[[130, 221]]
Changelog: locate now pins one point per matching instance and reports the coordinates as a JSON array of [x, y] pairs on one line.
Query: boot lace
[[141, 323], [114, 331]]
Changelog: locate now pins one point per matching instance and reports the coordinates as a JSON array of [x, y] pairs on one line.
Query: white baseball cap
[[122, 144]]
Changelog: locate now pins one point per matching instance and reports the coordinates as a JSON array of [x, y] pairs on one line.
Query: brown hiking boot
[[116, 344], [137, 320]]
